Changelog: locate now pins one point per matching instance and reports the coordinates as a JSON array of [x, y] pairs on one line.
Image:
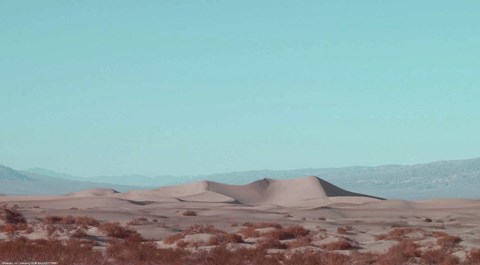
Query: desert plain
[[297, 221]]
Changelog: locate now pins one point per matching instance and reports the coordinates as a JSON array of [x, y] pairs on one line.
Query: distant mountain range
[[15, 182], [455, 178]]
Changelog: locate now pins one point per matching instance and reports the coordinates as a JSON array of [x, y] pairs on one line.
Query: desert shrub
[[70, 221], [203, 229], [86, 221], [249, 232], [341, 244], [220, 236], [363, 258], [189, 213], [12, 216], [182, 244], [399, 234], [69, 252], [400, 253], [137, 221], [344, 229], [233, 238], [439, 256], [300, 242], [271, 243], [13, 221], [173, 238], [79, 233], [448, 241], [473, 257], [222, 256], [280, 233], [135, 252], [118, 231], [52, 220], [213, 241], [317, 258], [294, 231]]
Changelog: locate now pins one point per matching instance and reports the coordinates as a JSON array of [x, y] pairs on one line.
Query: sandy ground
[[310, 202]]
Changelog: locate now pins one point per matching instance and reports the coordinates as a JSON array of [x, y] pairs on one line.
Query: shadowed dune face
[[265, 191], [93, 192]]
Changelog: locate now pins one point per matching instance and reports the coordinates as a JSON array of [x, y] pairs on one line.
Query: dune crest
[[266, 191]]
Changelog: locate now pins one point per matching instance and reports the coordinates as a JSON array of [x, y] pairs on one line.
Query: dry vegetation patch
[[117, 231], [344, 229], [400, 253], [401, 234], [341, 244], [189, 213], [473, 257], [12, 220], [439, 256], [219, 237]]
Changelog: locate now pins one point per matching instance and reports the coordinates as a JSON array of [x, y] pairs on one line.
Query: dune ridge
[[265, 191]]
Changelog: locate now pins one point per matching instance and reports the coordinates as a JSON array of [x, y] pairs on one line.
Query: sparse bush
[[213, 241], [439, 256], [271, 243], [448, 241], [69, 252], [137, 221], [189, 213], [173, 238], [341, 244], [300, 242], [52, 220], [473, 257], [13, 221], [12, 216], [294, 231], [233, 238], [317, 258], [203, 229], [86, 221], [182, 244], [400, 253], [79, 233], [280, 233], [118, 231], [399, 234], [220, 236], [61, 224], [344, 229]]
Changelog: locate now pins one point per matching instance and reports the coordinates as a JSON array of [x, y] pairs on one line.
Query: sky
[[198, 87]]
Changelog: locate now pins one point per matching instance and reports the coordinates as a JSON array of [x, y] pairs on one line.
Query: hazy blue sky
[[195, 87]]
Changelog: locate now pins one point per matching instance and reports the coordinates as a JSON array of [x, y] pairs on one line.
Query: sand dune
[[266, 191]]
